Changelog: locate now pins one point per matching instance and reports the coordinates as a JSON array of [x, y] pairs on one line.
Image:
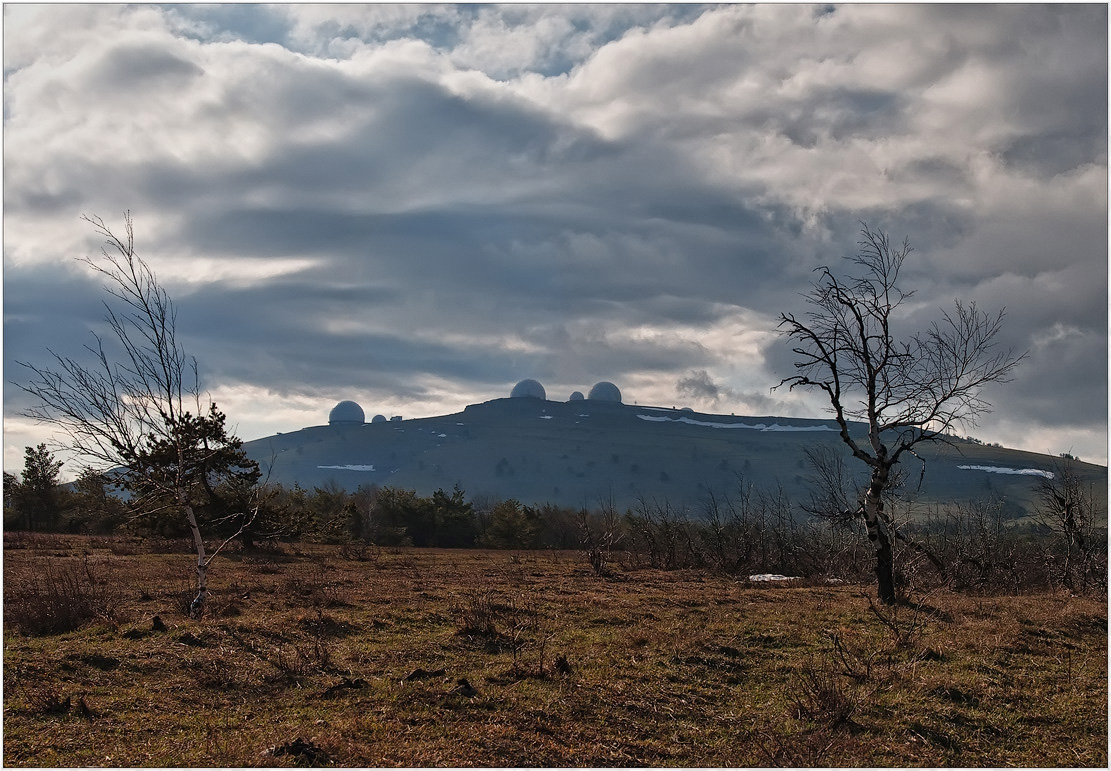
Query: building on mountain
[[346, 413], [605, 391], [528, 388]]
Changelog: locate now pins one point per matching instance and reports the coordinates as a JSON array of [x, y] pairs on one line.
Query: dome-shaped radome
[[346, 412], [530, 388], [576, 396], [605, 392], [378, 419]]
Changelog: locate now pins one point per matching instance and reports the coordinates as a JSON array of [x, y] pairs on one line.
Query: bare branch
[[906, 391], [136, 407]]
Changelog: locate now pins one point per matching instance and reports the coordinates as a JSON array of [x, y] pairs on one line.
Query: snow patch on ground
[[750, 426], [546, 417], [771, 577], [1032, 472], [351, 467]]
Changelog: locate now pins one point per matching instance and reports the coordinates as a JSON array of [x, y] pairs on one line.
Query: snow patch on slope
[[750, 426], [1033, 472]]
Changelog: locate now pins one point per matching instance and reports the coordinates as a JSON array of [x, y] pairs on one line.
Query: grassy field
[[314, 655]]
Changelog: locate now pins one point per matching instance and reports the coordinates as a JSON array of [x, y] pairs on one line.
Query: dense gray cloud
[[417, 206], [698, 385]]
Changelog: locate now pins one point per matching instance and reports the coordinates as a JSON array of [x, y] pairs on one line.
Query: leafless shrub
[[118, 545], [311, 583], [162, 545], [184, 589], [808, 750], [515, 623], [822, 694], [45, 699], [26, 539], [599, 535], [318, 653], [525, 628], [1069, 508], [974, 541], [475, 614], [59, 598], [360, 551], [665, 533], [215, 673], [853, 663], [907, 621], [297, 661], [322, 624], [289, 662]]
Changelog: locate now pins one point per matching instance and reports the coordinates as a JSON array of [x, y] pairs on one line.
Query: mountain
[[576, 453]]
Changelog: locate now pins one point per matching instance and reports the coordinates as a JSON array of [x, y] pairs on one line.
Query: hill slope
[[575, 453]]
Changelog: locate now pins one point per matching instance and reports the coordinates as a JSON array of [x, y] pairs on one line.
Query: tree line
[[982, 544], [254, 512]]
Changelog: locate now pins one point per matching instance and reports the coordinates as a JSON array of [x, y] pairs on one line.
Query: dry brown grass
[[435, 658]]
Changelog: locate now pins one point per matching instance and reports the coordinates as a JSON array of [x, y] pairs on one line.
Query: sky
[[416, 206]]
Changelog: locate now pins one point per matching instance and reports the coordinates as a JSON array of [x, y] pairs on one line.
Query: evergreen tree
[[197, 462], [513, 526], [93, 507], [454, 519], [37, 497]]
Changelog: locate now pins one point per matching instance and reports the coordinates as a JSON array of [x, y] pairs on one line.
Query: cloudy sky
[[416, 206]]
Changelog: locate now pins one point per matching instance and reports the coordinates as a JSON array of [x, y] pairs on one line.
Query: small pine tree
[[37, 498]]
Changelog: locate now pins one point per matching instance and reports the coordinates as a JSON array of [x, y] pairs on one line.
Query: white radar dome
[[530, 388], [604, 392], [346, 412]]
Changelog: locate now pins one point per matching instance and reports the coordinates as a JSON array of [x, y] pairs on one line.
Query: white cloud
[[419, 205]]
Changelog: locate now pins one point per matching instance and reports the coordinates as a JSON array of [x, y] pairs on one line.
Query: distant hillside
[[574, 453]]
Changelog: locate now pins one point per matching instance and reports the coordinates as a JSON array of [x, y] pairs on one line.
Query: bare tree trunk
[[197, 605], [880, 538]]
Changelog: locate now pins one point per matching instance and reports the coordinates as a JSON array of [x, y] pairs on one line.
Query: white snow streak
[[1033, 472], [752, 427]]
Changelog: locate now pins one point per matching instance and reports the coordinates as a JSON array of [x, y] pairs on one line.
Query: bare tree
[[834, 494], [600, 533], [137, 407], [832, 488], [906, 391], [1068, 506]]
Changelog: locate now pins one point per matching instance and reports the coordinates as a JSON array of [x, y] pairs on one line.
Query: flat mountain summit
[[578, 453]]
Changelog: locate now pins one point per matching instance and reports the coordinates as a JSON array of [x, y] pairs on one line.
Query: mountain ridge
[[578, 453]]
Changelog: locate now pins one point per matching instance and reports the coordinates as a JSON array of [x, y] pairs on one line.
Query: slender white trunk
[[197, 605]]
